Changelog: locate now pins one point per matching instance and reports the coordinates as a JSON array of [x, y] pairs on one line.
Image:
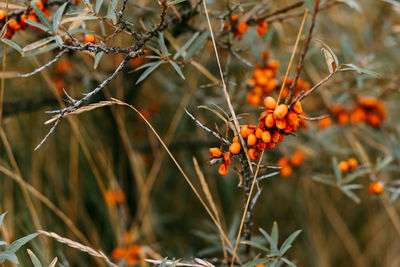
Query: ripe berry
[[253, 153], [262, 27], [40, 5], [353, 163], [281, 124], [343, 166], [297, 107], [270, 102], [234, 148], [223, 169], [14, 25], [280, 111], [227, 158], [286, 171], [245, 131], [266, 137], [215, 152], [269, 121], [325, 123], [3, 14], [242, 27], [259, 132], [235, 139], [282, 162], [297, 158], [251, 140], [89, 38], [376, 188]]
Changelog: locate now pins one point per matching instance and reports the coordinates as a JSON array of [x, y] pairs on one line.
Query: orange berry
[[271, 145], [223, 169], [40, 5], [253, 153], [273, 64], [270, 102], [251, 139], [373, 120], [325, 123], [235, 139], [253, 98], [376, 188], [353, 163], [297, 158], [14, 25], [118, 253], [297, 107], [89, 38], [22, 20], [343, 166], [343, 118], [215, 152], [3, 14], [242, 27], [358, 115], [280, 111], [260, 145], [269, 121], [234, 148], [281, 124], [282, 162], [245, 131], [286, 171], [277, 137], [259, 132], [266, 137], [227, 158], [262, 27]]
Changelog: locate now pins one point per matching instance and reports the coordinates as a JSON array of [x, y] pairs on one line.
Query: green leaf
[[149, 70], [197, 45], [41, 50], [288, 243], [34, 259], [351, 177], [309, 5], [274, 245], [275, 233], [351, 195], [186, 45], [161, 43], [99, 3], [57, 17], [8, 255], [353, 4], [42, 17], [288, 262], [393, 2], [111, 12], [338, 173], [256, 245], [254, 262], [88, 4], [360, 70], [17, 244], [13, 45], [332, 56], [37, 25], [2, 218], [178, 70], [53, 262], [175, 2], [386, 161], [352, 186], [4, 28], [215, 112], [59, 41], [323, 180], [97, 59], [164, 262]]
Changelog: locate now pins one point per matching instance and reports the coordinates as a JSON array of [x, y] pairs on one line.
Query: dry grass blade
[[83, 109], [245, 209], [77, 245]]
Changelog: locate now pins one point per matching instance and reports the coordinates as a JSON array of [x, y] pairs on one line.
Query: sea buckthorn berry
[[358, 115], [269, 121], [89, 38], [292, 118], [14, 25], [253, 153], [266, 137], [227, 158], [215, 152], [273, 64], [242, 27], [253, 98], [271, 146], [223, 169], [261, 145], [245, 131], [353, 163], [235, 139], [3, 14], [343, 166], [297, 158], [297, 107], [234, 148], [376, 188], [251, 139], [281, 124], [259, 132], [280, 111], [262, 27], [325, 123], [40, 5], [270, 102], [373, 120], [22, 20], [277, 137], [282, 162], [343, 118], [286, 171]]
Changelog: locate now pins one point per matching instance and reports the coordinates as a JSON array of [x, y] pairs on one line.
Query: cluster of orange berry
[[240, 26], [131, 254], [350, 164], [19, 23], [264, 82], [287, 164], [367, 109], [274, 123]]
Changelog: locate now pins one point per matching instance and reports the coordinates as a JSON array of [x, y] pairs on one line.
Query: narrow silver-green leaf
[[97, 59], [351, 195], [148, 71], [59, 41], [17, 244], [12, 44], [99, 3], [42, 17], [256, 245], [37, 25], [178, 70], [309, 5], [9, 256], [272, 243], [288, 243], [2, 218], [34, 259], [254, 263], [197, 45], [57, 17], [186, 45], [338, 173], [41, 50]]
